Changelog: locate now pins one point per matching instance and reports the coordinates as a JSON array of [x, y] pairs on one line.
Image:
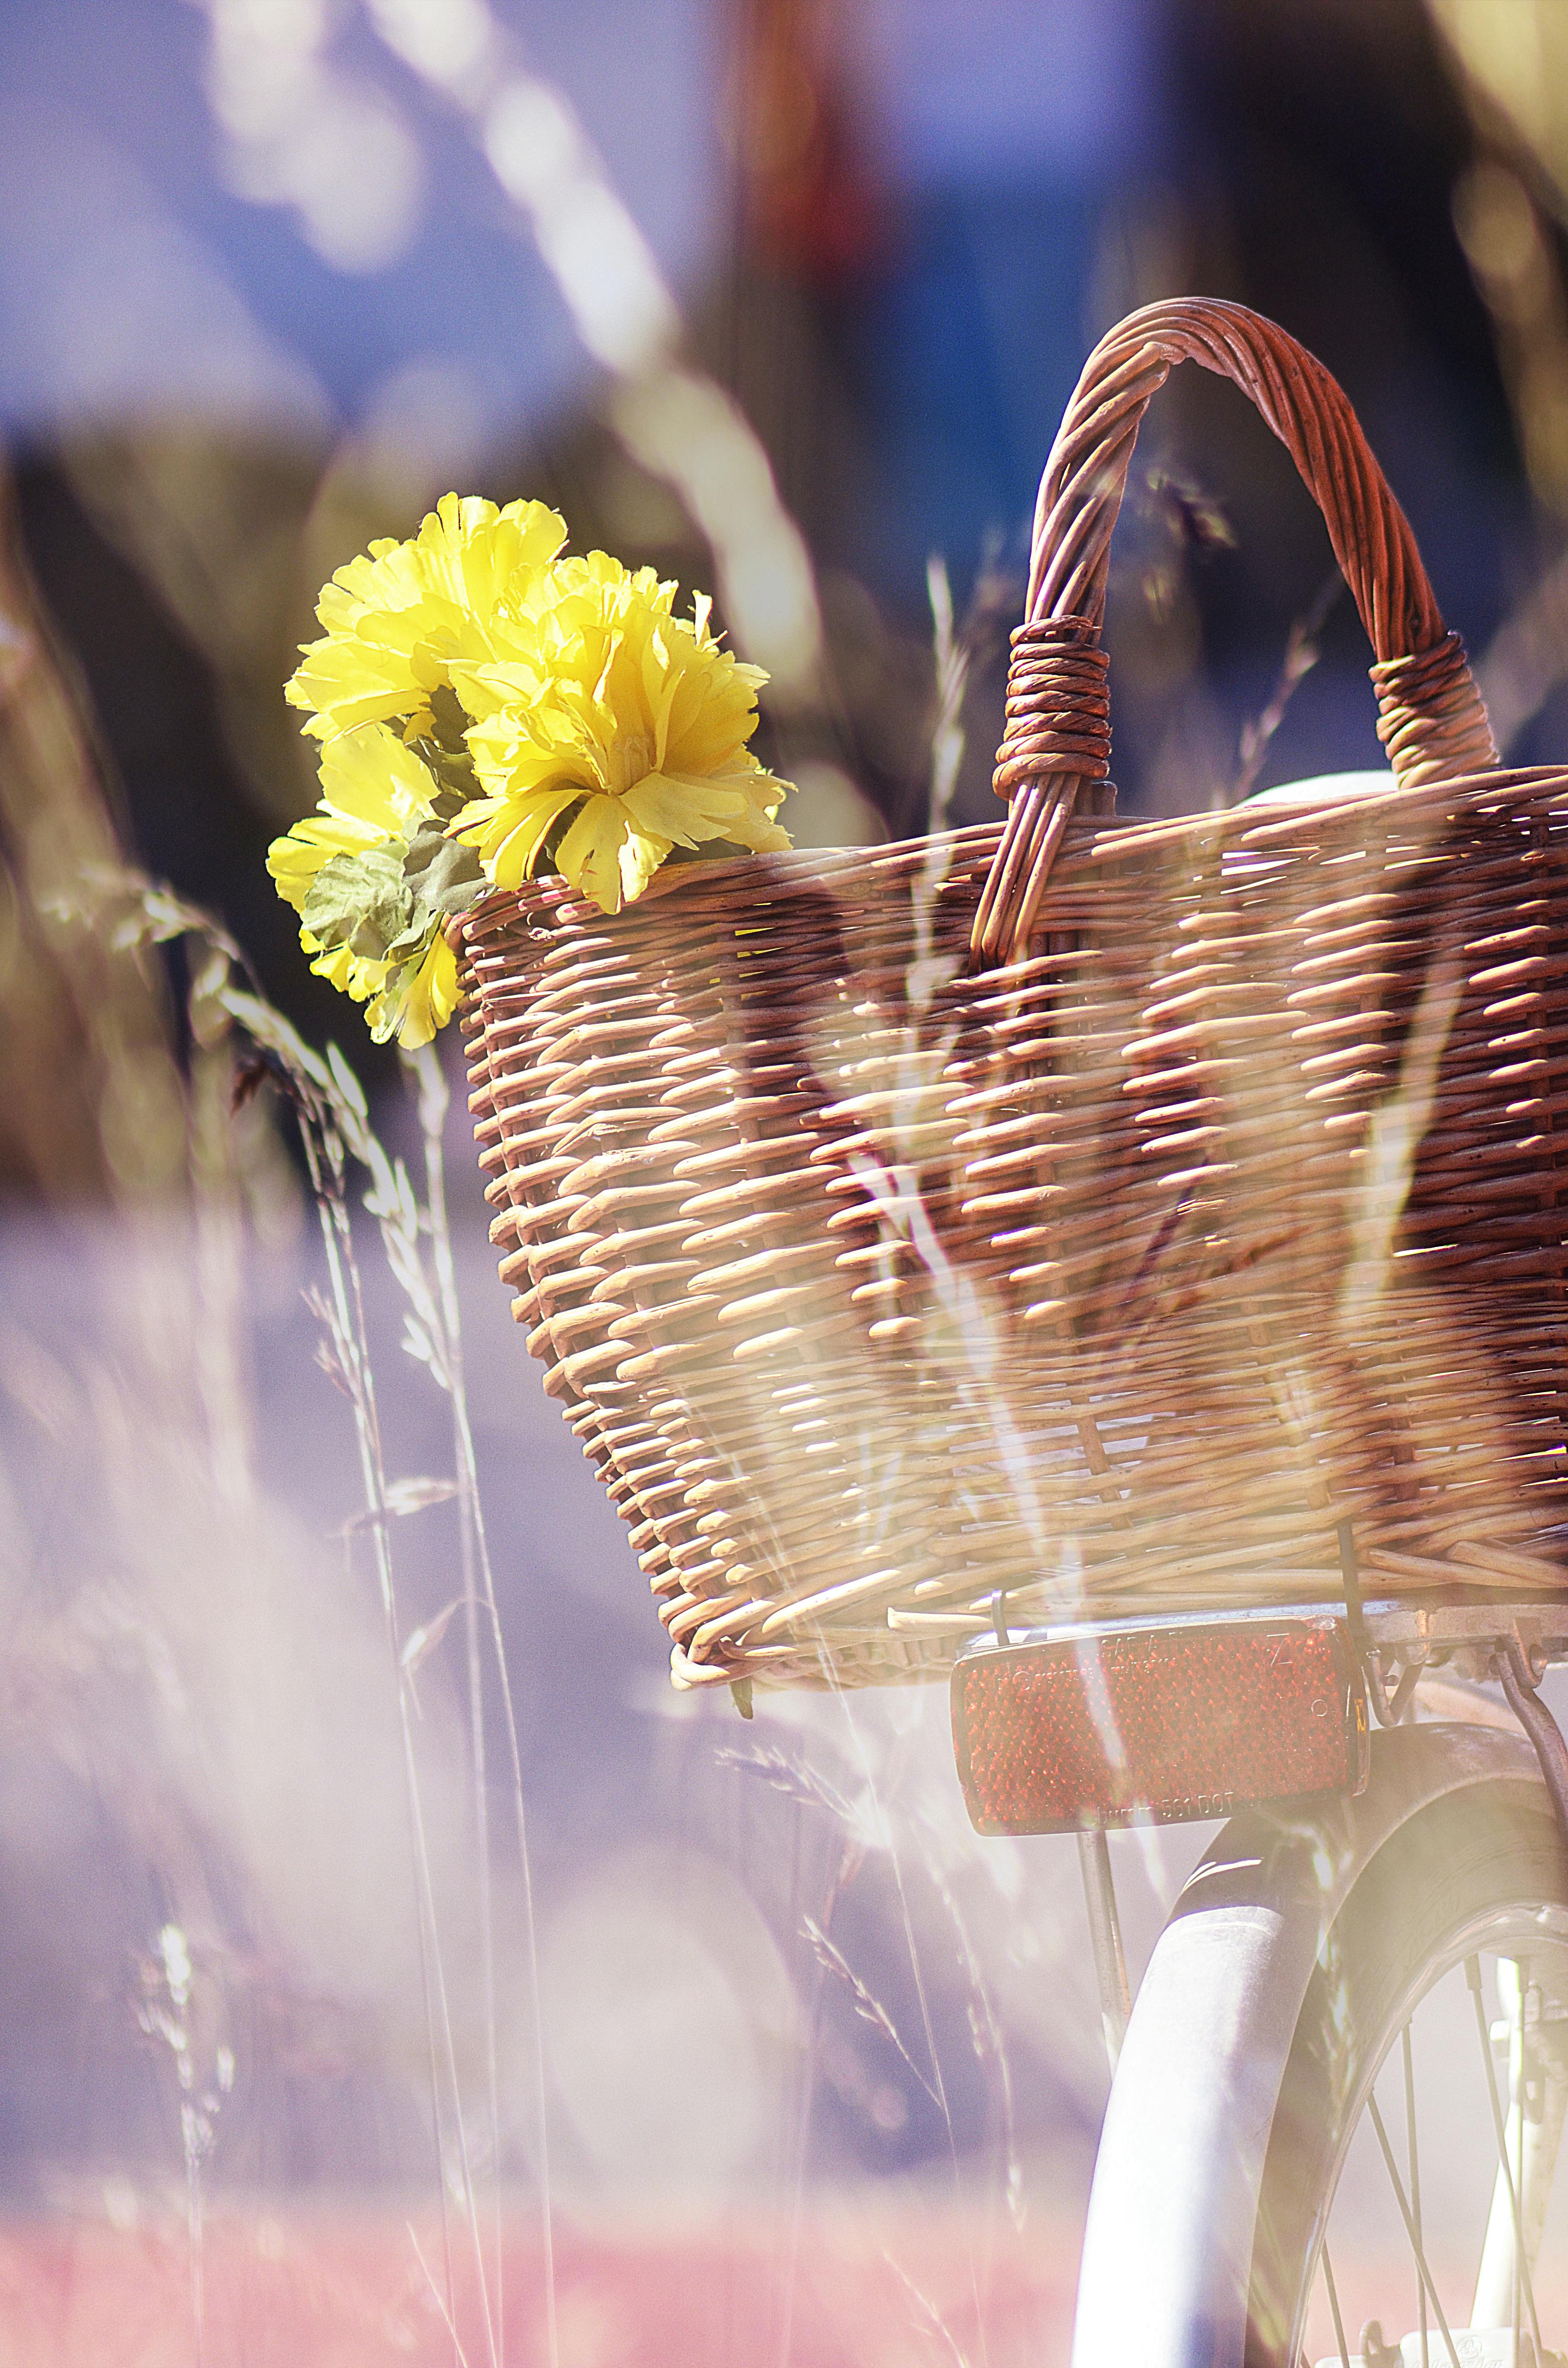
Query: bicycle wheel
[[1302, 1949], [1476, 1884]]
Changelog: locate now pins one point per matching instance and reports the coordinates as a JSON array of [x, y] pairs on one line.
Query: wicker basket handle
[[1430, 716]]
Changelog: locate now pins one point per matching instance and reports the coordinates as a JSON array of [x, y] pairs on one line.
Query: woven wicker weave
[[1093, 1215]]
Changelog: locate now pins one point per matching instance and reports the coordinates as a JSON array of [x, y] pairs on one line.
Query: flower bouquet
[[488, 712]]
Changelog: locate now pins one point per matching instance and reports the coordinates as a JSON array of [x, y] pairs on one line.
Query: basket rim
[[1094, 839]]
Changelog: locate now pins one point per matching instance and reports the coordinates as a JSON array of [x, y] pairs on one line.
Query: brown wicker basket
[[1091, 1214]]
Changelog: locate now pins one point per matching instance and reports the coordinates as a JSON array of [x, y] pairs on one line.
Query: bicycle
[[1297, 1959], [1230, 1142], [1363, 1882]]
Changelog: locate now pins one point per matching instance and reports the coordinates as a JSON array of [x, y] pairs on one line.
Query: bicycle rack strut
[[1514, 1666], [1104, 1935], [1520, 1685]]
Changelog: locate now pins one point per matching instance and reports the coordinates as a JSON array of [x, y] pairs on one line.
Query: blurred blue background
[[274, 273]]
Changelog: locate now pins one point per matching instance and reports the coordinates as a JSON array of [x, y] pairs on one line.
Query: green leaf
[[362, 902], [446, 755], [450, 720], [442, 877], [454, 784]]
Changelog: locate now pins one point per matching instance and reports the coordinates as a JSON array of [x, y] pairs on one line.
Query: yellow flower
[[373, 789], [375, 795], [603, 731], [600, 700], [396, 620], [420, 997]]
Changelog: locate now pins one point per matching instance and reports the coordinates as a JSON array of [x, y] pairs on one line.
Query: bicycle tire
[[1467, 1865], [1178, 2270]]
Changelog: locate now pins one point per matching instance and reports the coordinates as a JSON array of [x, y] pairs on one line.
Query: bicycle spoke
[[1403, 2203], [1414, 2159], [1333, 2306], [1521, 2259]]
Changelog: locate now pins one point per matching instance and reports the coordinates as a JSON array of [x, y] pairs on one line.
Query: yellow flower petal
[[607, 856], [397, 621], [686, 811], [374, 788], [430, 998], [370, 776], [353, 975], [512, 831], [294, 860], [598, 690], [642, 853]]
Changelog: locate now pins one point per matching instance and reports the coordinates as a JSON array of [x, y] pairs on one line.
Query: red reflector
[[1111, 1725]]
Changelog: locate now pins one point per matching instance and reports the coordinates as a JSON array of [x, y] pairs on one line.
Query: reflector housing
[[1158, 1721]]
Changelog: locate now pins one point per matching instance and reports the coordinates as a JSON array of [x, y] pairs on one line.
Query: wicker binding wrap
[[1082, 1215]]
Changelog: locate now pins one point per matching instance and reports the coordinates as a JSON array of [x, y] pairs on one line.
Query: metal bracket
[[1105, 1934], [1516, 1671], [1387, 1712]]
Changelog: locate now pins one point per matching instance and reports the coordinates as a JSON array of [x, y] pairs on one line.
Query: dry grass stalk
[[84, 963], [331, 1112], [931, 2317], [870, 2008], [1303, 650], [91, 1105]]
